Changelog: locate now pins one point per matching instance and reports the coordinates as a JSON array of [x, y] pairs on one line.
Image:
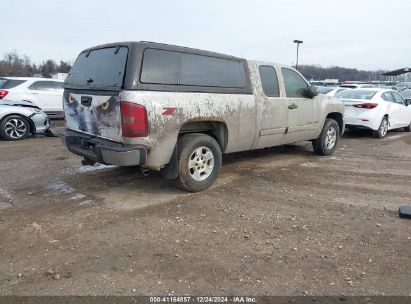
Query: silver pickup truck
[[177, 109]]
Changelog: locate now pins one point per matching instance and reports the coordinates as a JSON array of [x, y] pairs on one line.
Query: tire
[[14, 127], [327, 142], [383, 128], [199, 161]]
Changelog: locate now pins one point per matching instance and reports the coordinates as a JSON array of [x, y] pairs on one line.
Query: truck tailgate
[[95, 114]]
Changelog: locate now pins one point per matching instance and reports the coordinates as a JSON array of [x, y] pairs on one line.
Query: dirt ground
[[279, 221]]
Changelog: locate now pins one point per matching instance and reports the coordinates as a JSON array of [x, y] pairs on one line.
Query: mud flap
[[405, 212], [170, 171]]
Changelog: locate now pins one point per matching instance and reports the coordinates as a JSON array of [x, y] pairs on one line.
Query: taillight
[[134, 121], [3, 93], [366, 105]]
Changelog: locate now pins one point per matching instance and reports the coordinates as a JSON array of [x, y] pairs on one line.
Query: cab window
[[42, 86], [295, 85], [269, 81]]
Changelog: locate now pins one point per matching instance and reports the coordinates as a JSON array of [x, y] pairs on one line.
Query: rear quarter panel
[[236, 111]]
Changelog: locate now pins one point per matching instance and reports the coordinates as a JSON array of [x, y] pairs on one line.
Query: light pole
[[298, 46]]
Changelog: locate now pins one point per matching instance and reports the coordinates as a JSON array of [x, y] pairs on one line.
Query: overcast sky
[[365, 34]]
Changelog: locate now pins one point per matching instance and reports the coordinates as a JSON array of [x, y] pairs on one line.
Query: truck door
[[303, 113], [272, 108]]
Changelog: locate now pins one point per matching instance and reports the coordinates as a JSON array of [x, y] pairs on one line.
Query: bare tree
[[14, 65]]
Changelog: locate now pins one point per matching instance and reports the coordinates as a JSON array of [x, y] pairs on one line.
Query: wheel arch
[[32, 127], [28, 119], [338, 117], [216, 129]]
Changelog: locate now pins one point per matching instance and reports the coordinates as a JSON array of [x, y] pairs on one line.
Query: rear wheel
[[199, 161], [383, 129], [14, 127], [326, 143]]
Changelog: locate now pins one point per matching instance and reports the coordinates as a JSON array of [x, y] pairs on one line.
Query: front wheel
[[199, 161], [383, 129], [326, 143], [14, 127]]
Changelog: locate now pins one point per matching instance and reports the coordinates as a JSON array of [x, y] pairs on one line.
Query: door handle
[[293, 106]]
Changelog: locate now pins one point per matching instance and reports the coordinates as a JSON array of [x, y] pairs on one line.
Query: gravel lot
[[279, 221]]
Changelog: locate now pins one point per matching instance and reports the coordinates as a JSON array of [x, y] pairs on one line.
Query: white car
[[330, 91], [357, 86], [377, 109], [334, 91], [47, 94]]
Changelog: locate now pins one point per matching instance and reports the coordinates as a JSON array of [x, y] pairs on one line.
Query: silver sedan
[[20, 118]]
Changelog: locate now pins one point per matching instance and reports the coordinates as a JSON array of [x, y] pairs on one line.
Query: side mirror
[[312, 91]]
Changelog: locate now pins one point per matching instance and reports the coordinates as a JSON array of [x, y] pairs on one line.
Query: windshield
[[99, 68], [356, 94], [9, 83], [324, 90]]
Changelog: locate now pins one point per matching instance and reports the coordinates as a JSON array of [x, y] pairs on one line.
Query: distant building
[[403, 74], [60, 76]]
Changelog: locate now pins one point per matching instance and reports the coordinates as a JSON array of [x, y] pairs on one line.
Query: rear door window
[[269, 81], [42, 86], [10, 83], [398, 99], [100, 68], [295, 85], [387, 97], [58, 85]]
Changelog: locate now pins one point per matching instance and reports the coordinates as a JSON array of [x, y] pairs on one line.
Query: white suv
[[45, 93]]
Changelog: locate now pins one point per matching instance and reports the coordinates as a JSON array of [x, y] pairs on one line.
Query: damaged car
[[19, 119]]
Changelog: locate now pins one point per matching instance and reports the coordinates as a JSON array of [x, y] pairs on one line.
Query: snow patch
[[84, 169], [67, 189], [6, 194], [307, 164]]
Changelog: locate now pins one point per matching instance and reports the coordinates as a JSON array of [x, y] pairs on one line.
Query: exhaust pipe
[[145, 172]]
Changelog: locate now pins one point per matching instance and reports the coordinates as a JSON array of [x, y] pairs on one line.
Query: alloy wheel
[[201, 163], [15, 128]]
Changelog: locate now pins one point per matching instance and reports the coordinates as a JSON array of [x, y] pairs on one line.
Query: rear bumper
[[103, 151], [365, 122]]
